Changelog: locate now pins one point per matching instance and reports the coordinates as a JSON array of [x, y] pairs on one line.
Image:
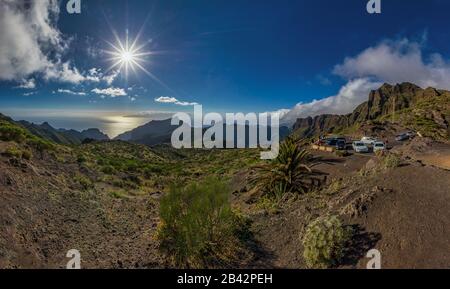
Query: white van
[[379, 146]]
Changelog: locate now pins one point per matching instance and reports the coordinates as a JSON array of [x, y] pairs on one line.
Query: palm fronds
[[290, 172]]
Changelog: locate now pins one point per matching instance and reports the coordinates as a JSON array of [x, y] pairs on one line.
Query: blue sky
[[229, 56]]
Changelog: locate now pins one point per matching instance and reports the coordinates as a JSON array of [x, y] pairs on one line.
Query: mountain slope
[[151, 133], [91, 133], [62, 136], [405, 104], [160, 132], [46, 131]]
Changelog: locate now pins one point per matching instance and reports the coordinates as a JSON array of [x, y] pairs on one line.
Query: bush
[[9, 132], [117, 195], [27, 154], [81, 159], [391, 161], [85, 183], [40, 144], [268, 205], [12, 132], [13, 152], [290, 172], [198, 227], [324, 242], [109, 170]]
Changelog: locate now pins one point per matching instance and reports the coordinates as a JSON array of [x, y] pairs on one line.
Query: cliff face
[[321, 124], [381, 103]]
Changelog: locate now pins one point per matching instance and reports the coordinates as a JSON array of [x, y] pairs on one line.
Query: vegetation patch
[[290, 172], [391, 161], [198, 228], [84, 182], [268, 205], [15, 152], [324, 242], [10, 131], [118, 195]]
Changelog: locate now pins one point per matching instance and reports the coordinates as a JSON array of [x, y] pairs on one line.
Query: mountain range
[[63, 136], [423, 110]]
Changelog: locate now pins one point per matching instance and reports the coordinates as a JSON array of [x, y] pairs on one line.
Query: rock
[[380, 103]]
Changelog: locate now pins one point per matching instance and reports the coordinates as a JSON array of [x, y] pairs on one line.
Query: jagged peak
[[386, 86], [46, 125], [399, 86]]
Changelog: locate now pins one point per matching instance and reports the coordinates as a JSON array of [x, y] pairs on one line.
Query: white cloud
[[32, 44], [350, 95], [109, 79], [27, 84], [185, 103], [390, 61], [64, 72], [30, 93], [281, 112], [168, 99], [111, 91], [21, 33], [396, 62], [71, 92], [27, 34]]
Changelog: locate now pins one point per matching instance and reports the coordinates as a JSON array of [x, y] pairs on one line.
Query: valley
[[111, 199]]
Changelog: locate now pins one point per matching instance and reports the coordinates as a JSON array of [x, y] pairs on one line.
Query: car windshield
[[359, 144], [379, 145]]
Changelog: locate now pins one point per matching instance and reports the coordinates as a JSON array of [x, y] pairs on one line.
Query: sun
[[126, 55]]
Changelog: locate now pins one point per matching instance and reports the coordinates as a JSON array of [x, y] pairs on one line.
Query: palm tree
[[290, 172]]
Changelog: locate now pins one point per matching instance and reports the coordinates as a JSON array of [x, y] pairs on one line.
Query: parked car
[[379, 146], [402, 137], [411, 134], [331, 142], [360, 147], [368, 140], [341, 144]]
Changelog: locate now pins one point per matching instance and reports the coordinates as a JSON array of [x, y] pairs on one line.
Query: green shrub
[[27, 154], [10, 132], [81, 159], [13, 152], [109, 170], [125, 184], [391, 161], [39, 144], [85, 183], [117, 195], [334, 187], [133, 179], [267, 204], [324, 242], [18, 134], [198, 227]]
